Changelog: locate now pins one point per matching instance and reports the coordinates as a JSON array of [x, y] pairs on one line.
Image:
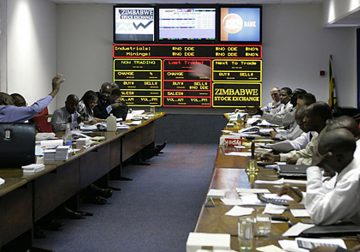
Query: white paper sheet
[[135, 113], [275, 196], [232, 202], [51, 143], [2, 181], [88, 127], [239, 154], [267, 124], [274, 209], [239, 211], [270, 248], [217, 193], [134, 123], [250, 199], [299, 213], [297, 229], [291, 246], [281, 181], [122, 126], [252, 190]]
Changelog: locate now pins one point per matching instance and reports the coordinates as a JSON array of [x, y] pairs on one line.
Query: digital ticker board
[[164, 75]]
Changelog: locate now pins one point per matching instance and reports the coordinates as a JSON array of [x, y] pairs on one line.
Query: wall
[[295, 48], [84, 47], [31, 47]]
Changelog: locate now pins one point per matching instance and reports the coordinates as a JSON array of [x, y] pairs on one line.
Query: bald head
[[71, 103], [346, 122], [316, 116], [337, 148], [106, 87]]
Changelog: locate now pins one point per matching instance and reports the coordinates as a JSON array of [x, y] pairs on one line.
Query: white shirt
[[292, 133], [283, 117], [272, 107], [303, 156], [301, 141], [341, 203]]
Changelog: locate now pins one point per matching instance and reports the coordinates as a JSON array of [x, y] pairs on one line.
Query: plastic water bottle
[[111, 123], [67, 135]]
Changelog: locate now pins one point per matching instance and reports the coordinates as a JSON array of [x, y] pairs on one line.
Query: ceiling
[[193, 1], [350, 20]]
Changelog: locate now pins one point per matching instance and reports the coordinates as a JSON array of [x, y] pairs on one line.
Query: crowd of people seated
[[328, 141], [311, 136], [92, 108]]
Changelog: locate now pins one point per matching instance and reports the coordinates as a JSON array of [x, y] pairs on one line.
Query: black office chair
[[17, 144]]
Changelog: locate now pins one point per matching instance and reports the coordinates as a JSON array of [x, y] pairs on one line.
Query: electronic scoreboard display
[[163, 75], [188, 55]]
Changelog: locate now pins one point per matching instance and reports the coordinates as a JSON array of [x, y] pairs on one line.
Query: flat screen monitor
[[186, 24], [240, 24], [133, 24]]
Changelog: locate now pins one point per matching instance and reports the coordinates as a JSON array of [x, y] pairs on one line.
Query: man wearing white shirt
[[327, 205], [315, 120], [274, 106], [277, 118]]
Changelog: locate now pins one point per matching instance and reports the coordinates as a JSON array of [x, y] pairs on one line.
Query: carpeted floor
[[153, 213]]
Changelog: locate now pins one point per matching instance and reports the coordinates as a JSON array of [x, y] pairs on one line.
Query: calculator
[[274, 201]]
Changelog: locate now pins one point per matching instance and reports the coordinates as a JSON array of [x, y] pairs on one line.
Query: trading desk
[[24, 199], [229, 173]]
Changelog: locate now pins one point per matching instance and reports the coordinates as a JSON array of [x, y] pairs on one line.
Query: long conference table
[[229, 173], [25, 199]]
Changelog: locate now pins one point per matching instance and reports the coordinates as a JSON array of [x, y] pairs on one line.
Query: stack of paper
[[83, 142], [122, 126], [49, 156], [198, 241], [32, 168], [62, 153]]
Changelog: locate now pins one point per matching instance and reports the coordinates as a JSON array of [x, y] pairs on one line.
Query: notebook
[[332, 230], [17, 144], [292, 170]]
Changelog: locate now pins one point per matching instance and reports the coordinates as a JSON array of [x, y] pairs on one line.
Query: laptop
[[121, 112], [17, 144], [292, 170]]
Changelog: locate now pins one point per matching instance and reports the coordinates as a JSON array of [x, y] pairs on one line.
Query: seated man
[[121, 110], [105, 105], [294, 130], [315, 119], [11, 113], [67, 114], [274, 106], [286, 107], [301, 141], [325, 205]]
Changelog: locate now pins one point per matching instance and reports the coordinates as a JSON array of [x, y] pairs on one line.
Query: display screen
[[133, 24], [187, 24], [240, 24]]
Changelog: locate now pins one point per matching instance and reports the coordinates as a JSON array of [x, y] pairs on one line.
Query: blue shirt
[[10, 113]]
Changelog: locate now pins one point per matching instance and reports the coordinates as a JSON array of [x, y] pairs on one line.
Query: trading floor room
[[172, 126]]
